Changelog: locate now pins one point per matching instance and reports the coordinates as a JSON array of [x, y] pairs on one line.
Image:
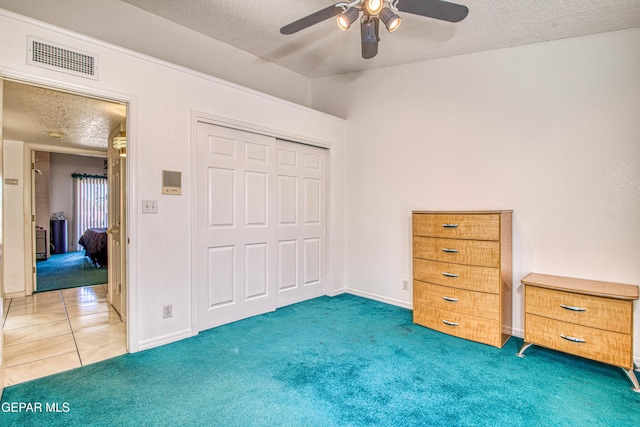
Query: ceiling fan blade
[[436, 9], [312, 19], [370, 37]]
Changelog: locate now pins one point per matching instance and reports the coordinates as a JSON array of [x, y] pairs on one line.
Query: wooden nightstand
[[585, 318]]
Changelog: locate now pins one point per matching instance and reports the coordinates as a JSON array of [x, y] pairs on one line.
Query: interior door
[[33, 275], [116, 232], [301, 223], [235, 230]]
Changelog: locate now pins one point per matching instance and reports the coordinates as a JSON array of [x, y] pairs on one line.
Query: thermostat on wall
[[171, 182]]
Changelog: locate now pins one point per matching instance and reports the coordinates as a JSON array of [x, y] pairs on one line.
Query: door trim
[[198, 116], [132, 299], [29, 149]]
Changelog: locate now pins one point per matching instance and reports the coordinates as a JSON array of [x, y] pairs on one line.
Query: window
[[91, 200]]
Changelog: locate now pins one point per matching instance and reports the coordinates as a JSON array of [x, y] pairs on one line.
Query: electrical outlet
[[149, 206], [405, 284], [167, 311]]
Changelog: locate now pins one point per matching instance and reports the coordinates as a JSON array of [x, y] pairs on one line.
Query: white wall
[[62, 186], [124, 25], [13, 245], [162, 98], [548, 130]]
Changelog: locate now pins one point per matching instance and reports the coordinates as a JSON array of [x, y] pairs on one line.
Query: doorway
[[70, 196], [40, 119]]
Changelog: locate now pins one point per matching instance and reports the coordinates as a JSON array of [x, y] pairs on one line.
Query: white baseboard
[[517, 332], [18, 294], [337, 292], [375, 297], [166, 339]]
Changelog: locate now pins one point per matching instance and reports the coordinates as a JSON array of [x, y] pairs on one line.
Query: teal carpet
[[343, 361], [70, 270]]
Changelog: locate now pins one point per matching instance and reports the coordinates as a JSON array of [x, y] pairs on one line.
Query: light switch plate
[[149, 206]]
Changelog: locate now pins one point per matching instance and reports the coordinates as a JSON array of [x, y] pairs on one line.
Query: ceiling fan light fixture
[[346, 18], [373, 11], [372, 7], [390, 19]]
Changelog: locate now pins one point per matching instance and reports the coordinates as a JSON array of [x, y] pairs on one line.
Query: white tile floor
[[56, 331]]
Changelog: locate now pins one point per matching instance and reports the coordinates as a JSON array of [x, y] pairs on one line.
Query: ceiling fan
[[374, 11]]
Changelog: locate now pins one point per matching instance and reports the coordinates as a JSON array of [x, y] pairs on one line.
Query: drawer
[[482, 279], [457, 226], [587, 310], [604, 346], [472, 252], [460, 325], [477, 304]]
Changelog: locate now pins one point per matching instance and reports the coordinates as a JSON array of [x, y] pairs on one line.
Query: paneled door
[[259, 224], [117, 227], [301, 222], [236, 241]]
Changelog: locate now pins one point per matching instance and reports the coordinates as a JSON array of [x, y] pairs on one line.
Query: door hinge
[[33, 218], [119, 288], [34, 270]]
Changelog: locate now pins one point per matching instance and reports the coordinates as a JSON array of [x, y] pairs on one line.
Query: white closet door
[[236, 248], [261, 224], [301, 222]]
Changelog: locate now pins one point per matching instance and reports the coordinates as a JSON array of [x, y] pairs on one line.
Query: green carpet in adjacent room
[[69, 270], [342, 361]]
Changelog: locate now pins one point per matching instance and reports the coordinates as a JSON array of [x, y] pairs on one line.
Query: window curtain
[[91, 202]]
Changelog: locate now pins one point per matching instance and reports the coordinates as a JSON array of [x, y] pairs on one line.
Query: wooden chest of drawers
[[585, 318], [462, 274]]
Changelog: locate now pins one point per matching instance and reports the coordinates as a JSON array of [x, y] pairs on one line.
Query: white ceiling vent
[[59, 58]]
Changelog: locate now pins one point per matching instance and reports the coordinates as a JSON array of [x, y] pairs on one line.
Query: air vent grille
[[58, 58]]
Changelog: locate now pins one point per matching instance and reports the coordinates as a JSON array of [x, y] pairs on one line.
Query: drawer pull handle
[[572, 339], [449, 250], [450, 299], [444, 273], [446, 322], [450, 225], [572, 308]]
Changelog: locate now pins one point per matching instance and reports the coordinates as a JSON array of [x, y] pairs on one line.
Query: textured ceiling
[[31, 112], [321, 50]]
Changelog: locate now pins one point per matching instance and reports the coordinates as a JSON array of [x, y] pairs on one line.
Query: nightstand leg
[[525, 346], [633, 379]]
